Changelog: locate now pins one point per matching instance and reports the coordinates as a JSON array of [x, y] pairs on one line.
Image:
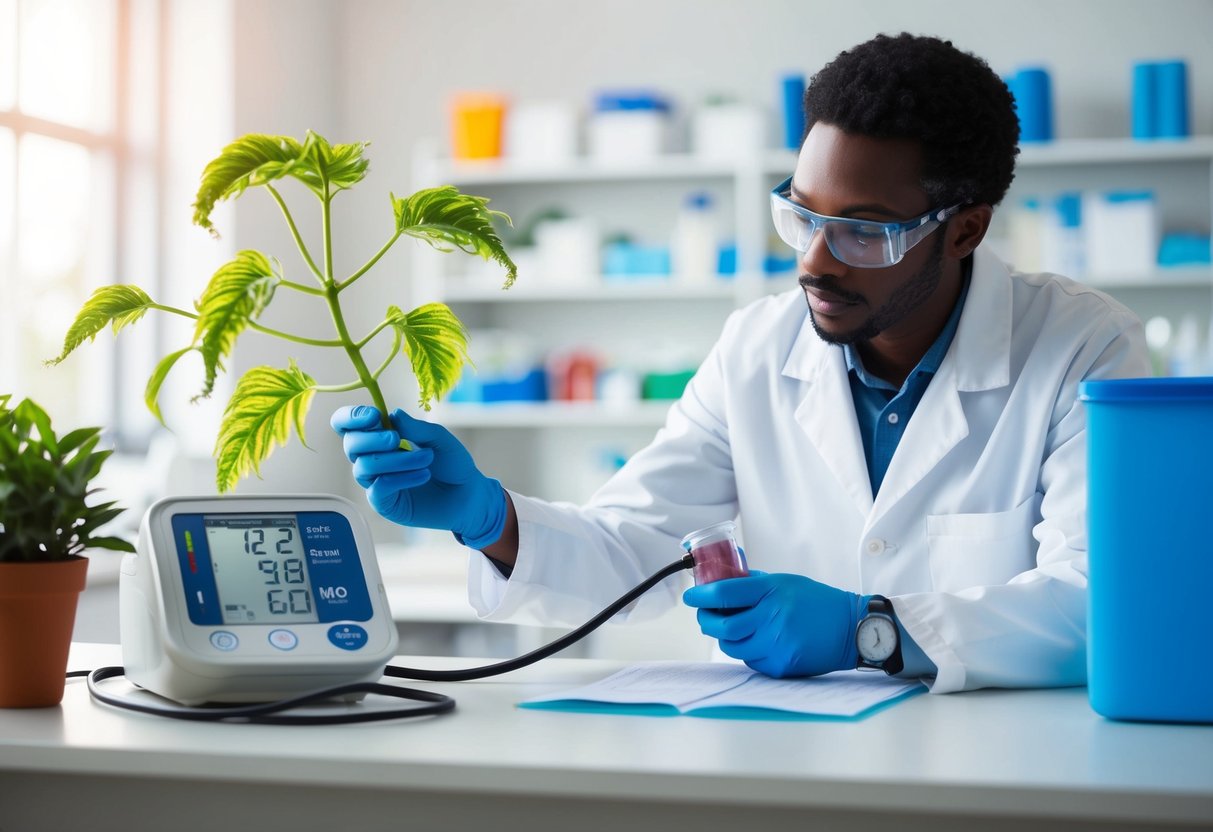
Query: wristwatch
[[878, 639]]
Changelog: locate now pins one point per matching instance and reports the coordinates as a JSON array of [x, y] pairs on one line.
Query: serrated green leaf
[[258, 159], [258, 418], [341, 165], [119, 305], [436, 343], [253, 159], [151, 394], [447, 219], [238, 293]]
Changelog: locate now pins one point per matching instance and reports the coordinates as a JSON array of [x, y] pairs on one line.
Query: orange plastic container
[[477, 121]]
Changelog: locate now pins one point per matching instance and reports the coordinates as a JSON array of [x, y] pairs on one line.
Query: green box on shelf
[[665, 385]]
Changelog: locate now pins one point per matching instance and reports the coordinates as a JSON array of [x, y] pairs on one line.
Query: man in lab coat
[[900, 437]]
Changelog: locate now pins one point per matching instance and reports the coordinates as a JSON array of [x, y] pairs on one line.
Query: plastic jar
[[716, 554]]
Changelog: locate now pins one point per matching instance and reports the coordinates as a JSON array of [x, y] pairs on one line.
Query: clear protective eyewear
[[863, 244]]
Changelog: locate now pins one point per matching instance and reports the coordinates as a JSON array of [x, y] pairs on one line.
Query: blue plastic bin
[[1150, 519]]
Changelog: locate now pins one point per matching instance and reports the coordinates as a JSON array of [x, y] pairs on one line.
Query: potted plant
[[46, 523], [267, 401]]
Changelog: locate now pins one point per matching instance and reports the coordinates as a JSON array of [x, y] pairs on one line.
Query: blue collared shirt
[[883, 410]]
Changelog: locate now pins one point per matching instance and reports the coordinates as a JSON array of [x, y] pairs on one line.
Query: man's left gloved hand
[[781, 624]]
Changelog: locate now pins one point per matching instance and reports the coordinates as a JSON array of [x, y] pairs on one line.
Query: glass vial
[[714, 550]]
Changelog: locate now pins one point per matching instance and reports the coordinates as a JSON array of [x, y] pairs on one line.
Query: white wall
[[382, 70]]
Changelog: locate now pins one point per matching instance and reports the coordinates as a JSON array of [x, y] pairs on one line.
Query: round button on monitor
[[225, 641], [283, 639], [348, 636]]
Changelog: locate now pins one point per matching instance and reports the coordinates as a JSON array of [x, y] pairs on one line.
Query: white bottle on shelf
[[694, 249]]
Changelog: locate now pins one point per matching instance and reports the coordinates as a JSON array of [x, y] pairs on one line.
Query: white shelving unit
[[642, 414], [606, 313]]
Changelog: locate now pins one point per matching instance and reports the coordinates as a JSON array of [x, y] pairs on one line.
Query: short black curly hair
[[925, 89]]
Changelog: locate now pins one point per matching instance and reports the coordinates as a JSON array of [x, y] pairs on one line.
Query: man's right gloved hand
[[435, 486]]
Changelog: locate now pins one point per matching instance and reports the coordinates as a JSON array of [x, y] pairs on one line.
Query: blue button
[[348, 636], [225, 641]]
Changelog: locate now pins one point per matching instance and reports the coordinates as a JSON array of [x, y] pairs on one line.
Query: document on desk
[[731, 691]]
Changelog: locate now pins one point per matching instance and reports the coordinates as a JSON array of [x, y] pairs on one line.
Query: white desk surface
[[987, 756]]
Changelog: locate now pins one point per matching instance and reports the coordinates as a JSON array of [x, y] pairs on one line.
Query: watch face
[[876, 638]]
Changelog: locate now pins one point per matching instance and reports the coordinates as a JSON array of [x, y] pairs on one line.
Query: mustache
[[831, 284]]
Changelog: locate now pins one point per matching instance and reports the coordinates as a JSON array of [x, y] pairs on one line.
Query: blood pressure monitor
[[243, 599]]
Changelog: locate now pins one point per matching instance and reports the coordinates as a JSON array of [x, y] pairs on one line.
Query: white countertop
[[1007, 753]]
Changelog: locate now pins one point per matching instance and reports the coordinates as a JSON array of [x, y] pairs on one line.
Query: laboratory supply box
[[476, 125], [1150, 492], [791, 92], [628, 127], [1032, 92]]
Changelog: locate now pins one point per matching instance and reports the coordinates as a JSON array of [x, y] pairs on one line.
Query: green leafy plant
[[44, 488], [266, 401]]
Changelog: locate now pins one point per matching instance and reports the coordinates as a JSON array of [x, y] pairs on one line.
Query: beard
[[906, 298]]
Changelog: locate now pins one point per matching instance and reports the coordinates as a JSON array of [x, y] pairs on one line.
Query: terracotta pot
[[37, 613]]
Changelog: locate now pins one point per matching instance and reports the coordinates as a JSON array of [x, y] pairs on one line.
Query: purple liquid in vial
[[718, 559], [715, 553]]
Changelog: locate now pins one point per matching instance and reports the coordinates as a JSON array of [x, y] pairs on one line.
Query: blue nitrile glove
[[435, 486], [781, 624]]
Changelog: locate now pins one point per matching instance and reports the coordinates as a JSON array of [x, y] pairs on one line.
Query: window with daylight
[[80, 168], [109, 110]]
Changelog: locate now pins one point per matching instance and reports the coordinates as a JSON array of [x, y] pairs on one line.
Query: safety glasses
[[863, 244]]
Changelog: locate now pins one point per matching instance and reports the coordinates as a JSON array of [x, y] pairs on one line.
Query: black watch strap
[[879, 605]]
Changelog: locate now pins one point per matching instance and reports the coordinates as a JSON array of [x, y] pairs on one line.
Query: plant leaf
[[436, 343], [253, 159], [258, 159], [115, 544], [258, 418], [151, 394], [237, 293], [342, 164], [119, 305], [76, 438], [447, 219], [37, 417]]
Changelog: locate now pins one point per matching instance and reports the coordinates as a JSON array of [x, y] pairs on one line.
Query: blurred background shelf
[[647, 414]]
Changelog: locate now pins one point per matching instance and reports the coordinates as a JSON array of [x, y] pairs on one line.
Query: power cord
[[269, 713]]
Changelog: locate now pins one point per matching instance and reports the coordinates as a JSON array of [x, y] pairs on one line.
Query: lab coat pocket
[[968, 550]]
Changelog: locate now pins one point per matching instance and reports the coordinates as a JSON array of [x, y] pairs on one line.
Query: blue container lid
[[1193, 389], [1129, 196], [607, 101]]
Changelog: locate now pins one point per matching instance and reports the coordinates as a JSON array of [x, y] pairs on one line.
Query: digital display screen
[[270, 568], [260, 571]]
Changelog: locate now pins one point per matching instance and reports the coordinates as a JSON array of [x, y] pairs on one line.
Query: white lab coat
[[978, 533]]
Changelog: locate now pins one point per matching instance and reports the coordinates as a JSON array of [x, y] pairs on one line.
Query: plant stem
[[367, 266], [326, 215], [331, 291], [299, 287], [298, 339], [338, 388], [174, 310], [295, 232], [391, 355], [277, 333], [382, 325]]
